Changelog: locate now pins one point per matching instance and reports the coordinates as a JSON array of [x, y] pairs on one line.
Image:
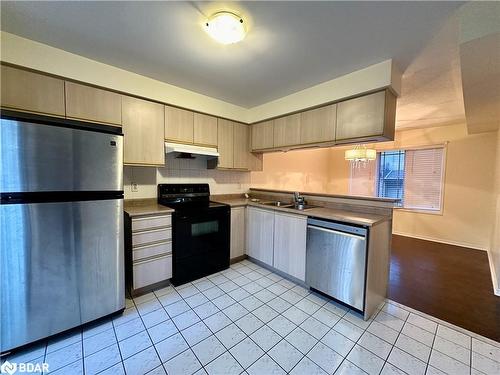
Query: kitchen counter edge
[[319, 212]]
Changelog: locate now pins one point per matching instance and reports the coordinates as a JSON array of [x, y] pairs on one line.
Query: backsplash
[[182, 171]]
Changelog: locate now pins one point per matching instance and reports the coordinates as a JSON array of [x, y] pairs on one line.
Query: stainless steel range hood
[[187, 151]]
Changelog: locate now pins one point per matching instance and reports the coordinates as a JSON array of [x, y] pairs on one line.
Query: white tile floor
[[249, 320]]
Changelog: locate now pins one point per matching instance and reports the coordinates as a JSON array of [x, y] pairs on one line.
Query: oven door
[[200, 243]]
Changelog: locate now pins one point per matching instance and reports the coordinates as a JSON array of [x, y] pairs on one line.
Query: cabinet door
[[225, 131], [290, 244], [318, 125], [143, 125], [32, 92], [287, 131], [361, 117], [205, 130], [179, 125], [260, 228], [237, 232], [262, 135], [255, 161], [241, 144], [93, 104]]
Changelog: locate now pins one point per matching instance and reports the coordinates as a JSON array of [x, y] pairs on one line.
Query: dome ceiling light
[[225, 27]]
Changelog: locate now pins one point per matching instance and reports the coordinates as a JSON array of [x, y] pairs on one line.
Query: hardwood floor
[[449, 282]]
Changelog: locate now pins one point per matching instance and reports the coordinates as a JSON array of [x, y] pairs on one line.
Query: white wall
[[183, 171], [495, 238]]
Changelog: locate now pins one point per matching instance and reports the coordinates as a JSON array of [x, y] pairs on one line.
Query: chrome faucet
[[298, 199]]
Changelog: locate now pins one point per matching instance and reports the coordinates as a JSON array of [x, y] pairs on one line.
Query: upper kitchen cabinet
[[318, 125], [143, 126], [233, 144], [32, 92], [88, 103], [225, 132], [262, 135], [205, 130], [179, 125], [286, 131], [369, 117], [241, 151]]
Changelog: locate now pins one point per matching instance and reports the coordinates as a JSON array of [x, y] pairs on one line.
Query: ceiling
[[290, 45]]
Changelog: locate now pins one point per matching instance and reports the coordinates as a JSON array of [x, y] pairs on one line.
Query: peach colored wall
[[468, 210], [301, 170], [495, 238]]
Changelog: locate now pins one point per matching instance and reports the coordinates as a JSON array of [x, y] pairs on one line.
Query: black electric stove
[[200, 231]]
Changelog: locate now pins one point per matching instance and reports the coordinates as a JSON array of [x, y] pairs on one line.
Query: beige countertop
[[359, 218], [140, 207], [232, 201], [358, 197]]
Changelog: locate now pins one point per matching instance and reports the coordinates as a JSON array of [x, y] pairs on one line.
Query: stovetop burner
[[186, 196]]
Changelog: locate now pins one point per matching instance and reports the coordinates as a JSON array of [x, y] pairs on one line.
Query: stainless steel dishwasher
[[336, 256]]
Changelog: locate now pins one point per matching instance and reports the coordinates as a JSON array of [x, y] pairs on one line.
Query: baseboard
[[237, 259], [494, 279], [454, 243]]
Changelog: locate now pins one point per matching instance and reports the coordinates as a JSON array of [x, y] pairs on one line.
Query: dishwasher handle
[[338, 226], [357, 236]]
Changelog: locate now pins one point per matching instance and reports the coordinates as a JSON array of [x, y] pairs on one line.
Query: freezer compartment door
[[37, 157], [61, 265], [335, 264]]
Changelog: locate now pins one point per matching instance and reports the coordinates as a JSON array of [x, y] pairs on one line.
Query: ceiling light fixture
[[360, 155], [226, 27]]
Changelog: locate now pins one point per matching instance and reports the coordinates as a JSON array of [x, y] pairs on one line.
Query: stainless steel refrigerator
[[61, 226]]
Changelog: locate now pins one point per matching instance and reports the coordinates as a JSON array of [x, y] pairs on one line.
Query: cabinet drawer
[[151, 222], [157, 235], [152, 271], [149, 251]]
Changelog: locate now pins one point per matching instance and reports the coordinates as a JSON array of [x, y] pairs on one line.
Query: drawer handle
[[153, 258], [153, 244]]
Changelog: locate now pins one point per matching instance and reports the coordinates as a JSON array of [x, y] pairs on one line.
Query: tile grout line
[[432, 347], [201, 320], [395, 341]]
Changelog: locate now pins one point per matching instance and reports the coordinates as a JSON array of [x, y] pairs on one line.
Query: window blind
[[423, 179], [362, 181]]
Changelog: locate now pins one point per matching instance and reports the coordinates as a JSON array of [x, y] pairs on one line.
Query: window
[[414, 176], [391, 174], [424, 179]]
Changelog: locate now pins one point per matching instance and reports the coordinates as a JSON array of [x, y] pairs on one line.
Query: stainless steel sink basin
[[278, 204], [302, 207]]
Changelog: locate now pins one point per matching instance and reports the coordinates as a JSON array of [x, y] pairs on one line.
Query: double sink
[[293, 206]]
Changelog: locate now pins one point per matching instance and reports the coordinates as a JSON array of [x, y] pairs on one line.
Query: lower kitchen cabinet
[[237, 232], [148, 252], [260, 233], [152, 271], [277, 239], [290, 244]]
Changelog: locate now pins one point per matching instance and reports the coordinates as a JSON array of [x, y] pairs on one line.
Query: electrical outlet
[[134, 187]]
